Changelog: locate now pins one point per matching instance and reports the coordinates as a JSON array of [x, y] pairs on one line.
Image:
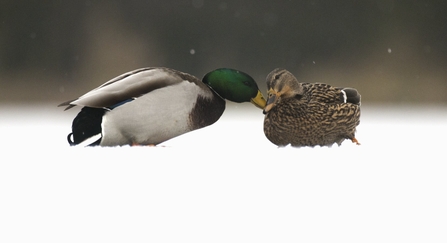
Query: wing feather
[[130, 85]]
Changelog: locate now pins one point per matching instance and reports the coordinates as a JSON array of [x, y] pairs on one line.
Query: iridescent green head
[[235, 86]]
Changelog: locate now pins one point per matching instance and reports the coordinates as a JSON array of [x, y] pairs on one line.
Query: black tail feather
[[70, 141], [85, 125], [352, 96]]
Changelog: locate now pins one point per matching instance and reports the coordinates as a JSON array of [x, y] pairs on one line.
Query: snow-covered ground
[[225, 183]]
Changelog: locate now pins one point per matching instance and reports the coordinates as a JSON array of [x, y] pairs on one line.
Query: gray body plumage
[[154, 118], [157, 104]]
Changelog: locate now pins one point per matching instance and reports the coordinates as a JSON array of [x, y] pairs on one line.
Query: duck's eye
[[277, 76]]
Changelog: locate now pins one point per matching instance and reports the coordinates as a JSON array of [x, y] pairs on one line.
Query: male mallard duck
[[151, 105], [305, 114]]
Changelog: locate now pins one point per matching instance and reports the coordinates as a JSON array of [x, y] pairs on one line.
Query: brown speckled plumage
[[309, 114]]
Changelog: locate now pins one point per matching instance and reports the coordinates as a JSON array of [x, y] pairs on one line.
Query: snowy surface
[[225, 183]]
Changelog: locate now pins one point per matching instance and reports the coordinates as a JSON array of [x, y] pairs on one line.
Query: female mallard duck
[[304, 114], [151, 105]]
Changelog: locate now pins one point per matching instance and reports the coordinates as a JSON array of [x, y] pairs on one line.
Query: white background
[[225, 183]]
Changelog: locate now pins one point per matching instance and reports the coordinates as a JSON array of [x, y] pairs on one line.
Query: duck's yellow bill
[[259, 100]]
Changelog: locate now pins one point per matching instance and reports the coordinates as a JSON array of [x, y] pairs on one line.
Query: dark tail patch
[[85, 125], [352, 96], [70, 141]]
